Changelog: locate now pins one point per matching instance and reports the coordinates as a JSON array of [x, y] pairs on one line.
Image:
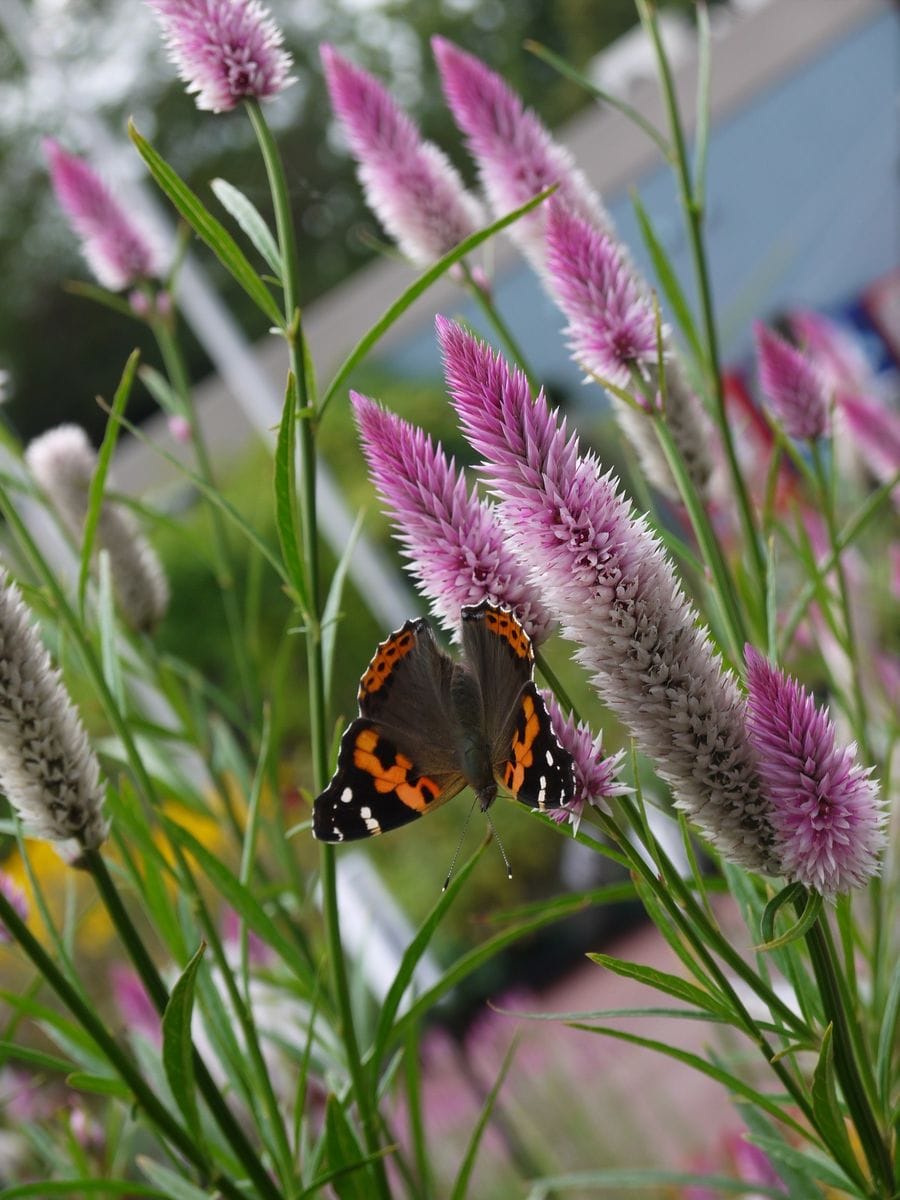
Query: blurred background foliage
[[62, 62]]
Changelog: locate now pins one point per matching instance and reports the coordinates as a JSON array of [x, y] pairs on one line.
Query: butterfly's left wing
[[526, 755]]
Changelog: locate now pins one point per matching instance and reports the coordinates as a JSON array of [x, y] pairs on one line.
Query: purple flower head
[[595, 773], [793, 386], [605, 574], [409, 183], [225, 50], [834, 350], [118, 252], [825, 807], [612, 327], [516, 156], [458, 551], [16, 897]]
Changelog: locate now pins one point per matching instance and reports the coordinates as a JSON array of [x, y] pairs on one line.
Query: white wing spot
[[371, 824], [549, 758], [337, 834], [365, 813], [347, 795]]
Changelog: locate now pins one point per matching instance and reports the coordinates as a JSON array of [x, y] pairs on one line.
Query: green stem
[[178, 377], [694, 215], [316, 677], [144, 1095], [159, 995], [852, 646], [490, 310], [873, 1144]]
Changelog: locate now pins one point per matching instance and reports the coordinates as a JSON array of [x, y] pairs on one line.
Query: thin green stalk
[[874, 1146], [231, 1129], [490, 310], [852, 645], [144, 1095], [178, 378], [316, 676], [693, 210]]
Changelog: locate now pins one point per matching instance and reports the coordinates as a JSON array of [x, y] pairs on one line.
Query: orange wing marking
[[386, 658], [505, 625], [416, 794], [522, 757]]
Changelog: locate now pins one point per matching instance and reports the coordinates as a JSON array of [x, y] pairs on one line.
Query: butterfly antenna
[[499, 845], [459, 845]]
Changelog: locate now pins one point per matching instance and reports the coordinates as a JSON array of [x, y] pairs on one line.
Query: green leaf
[[331, 611], [732, 1082], [669, 282], [799, 1184], [809, 1162], [627, 110], [662, 981], [461, 1183], [100, 1085], [701, 132], [887, 1038], [240, 899], [109, 652], [287, 508], [412, 293], [98, 1187], [208, 228], [345, 1153], [91, 291], [178, 1046], [39, 1059], [98, 480], [618, 1179], [826, 1108], [174, 1186], [251, 221], [162, 391], [806, 919], [414, 951]]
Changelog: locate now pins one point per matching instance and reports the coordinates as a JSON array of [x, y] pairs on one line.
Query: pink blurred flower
[[459, 553], [606, 576], [834, 351], [17, 899], [134, 1004], [793, 386], [875, 429], [116, 249], [258, 953], [516, 156], [180, 428], [86, 1129], [225, 50], [595, 773], [825, 807], [410, 183]]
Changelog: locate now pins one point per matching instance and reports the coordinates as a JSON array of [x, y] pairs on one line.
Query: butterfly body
[[428, 726]]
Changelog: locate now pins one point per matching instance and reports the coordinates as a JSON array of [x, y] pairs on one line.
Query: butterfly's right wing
[[397, 760]]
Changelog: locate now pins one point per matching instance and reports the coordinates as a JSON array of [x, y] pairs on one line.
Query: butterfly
[[429, 725]]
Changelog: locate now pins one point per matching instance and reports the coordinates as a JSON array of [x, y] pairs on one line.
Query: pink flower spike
[[118, 252], [875, 429], [410, 184], [225, 50], [516, 156], [793, 386], [612, 328], [825, 807], [458, 551], [605, 575], [595, 774]]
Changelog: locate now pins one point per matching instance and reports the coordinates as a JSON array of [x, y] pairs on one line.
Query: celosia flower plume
[[792, 385], [458, 551], [825, 807], [225, 50], [605, 575], [48, 771], [410, 184], [116, 249], [63, 462], [516, 156], [595, 773]]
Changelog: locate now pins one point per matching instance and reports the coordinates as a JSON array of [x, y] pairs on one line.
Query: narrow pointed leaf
[[827, 1110], [100, 1085], [174, 1186], [461, 1183], [250, 220], [94, 1187], [208, 228], [331, 611], [178, 1047], [809, 1162], [662, 981], [614, 1180], [287, 508], [887, 1037], [806, 919], [343, 1148], [669, 282]]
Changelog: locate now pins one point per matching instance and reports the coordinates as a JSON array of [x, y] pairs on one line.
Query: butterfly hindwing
[[537, 770], [376, 788]]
